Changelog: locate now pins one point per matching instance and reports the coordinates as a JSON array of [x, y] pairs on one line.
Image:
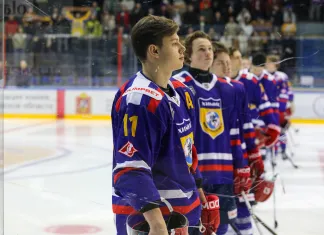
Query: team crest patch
[[211, 116], [128, 149], [187, 142]]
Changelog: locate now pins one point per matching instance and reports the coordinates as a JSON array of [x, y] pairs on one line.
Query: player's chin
[[178, 64]]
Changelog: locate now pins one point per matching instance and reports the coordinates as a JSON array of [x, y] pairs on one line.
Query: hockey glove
[[273, 133], [210, 217], [260, 137], [255, 163], [242, 180]]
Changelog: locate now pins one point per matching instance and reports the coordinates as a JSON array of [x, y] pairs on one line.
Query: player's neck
[[157, 75], [234, 74]]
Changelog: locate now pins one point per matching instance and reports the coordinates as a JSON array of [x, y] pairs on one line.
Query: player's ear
[[153, 50]]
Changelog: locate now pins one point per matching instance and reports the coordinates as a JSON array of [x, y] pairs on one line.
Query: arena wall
[[95, 104]]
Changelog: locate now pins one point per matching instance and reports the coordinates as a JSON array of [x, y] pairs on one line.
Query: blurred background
[[81, 43]]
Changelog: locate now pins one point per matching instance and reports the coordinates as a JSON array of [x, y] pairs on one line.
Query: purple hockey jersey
[[259, 104], [217, 135], [153, 136]]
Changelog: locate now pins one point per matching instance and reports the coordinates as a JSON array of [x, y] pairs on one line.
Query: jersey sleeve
[[282, 95], [236, 146], [272, 94], [138, 138], [246, 122], [260, 98]]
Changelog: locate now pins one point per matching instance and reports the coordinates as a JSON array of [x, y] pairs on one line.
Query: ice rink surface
[[57, 180]]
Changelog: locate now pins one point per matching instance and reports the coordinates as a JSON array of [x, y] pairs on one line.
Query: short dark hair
[[259, 59], [151, 30], [188, 43], [218, 48]]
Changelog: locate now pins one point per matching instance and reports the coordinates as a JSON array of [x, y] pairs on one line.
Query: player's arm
[[137, 143]]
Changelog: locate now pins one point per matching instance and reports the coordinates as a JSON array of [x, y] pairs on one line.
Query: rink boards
[[95, 104]]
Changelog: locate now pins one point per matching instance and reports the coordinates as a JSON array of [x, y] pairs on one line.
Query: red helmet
[[263, 189]]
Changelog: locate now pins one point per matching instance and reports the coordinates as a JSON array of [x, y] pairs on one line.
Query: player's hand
[[210, 217], [255, 163], [273, 133], [242, 180]]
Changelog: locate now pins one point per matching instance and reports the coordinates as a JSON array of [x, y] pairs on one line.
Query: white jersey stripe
[[175, 193], [215, 156], [234, 131], [135, 164]]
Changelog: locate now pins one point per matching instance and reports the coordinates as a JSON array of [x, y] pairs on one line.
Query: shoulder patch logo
[[146, 91], [128, 149]]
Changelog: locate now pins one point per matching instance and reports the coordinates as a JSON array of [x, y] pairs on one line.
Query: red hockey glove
[[194, 160], [260, 137], [242, 180], [282, 118], [273, 133], [255, 163], [210, 217]]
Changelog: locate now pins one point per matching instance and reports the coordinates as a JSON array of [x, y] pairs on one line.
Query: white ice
[[69, 183]]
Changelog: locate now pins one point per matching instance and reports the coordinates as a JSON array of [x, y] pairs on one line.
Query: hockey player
[[222, 68], [153, 124], [262, 113], [217, 136], [284, 94]]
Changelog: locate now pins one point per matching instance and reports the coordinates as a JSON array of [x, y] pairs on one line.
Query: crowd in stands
[[246, 24]]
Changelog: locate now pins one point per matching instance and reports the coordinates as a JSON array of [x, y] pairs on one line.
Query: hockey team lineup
[[200, 142]]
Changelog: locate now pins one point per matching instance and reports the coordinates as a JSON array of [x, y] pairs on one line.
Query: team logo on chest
[[211, 116]]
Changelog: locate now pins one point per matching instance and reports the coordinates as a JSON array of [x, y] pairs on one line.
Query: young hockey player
[[153, 120], [217, 136], [222, 68], [284, 94], [262, 111]]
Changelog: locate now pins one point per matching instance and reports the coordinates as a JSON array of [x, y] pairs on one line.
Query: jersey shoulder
[[139, 91], [268, 76], [183, 76], [250, 77]]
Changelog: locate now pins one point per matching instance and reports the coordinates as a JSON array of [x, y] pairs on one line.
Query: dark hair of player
[[259, 59], [151, 30], [188, 43]]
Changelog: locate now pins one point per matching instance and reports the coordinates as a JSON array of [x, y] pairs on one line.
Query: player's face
[[202, 54], [270, 66], [222, 65], [236, 61], [171, 53], [246, 64]]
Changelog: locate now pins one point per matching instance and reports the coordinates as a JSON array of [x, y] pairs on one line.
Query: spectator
[[289, 15], [229, 13], [29, 20], [243, 42], [19, 45], [289, 28], [95, 10], [93, 27], [243, 16], [55, 18], [276, 17], [202, 24], [108, 24], [213, 34], [11, 26], [136, 14], [231, 28], [78, 21], [218, 19], [315, 10], [247, 28], [204, 3], [255, 43], [207, 12], [163, 11], [176, 16], [23, 75], [122, 18], [258, 9], [189, 17]]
